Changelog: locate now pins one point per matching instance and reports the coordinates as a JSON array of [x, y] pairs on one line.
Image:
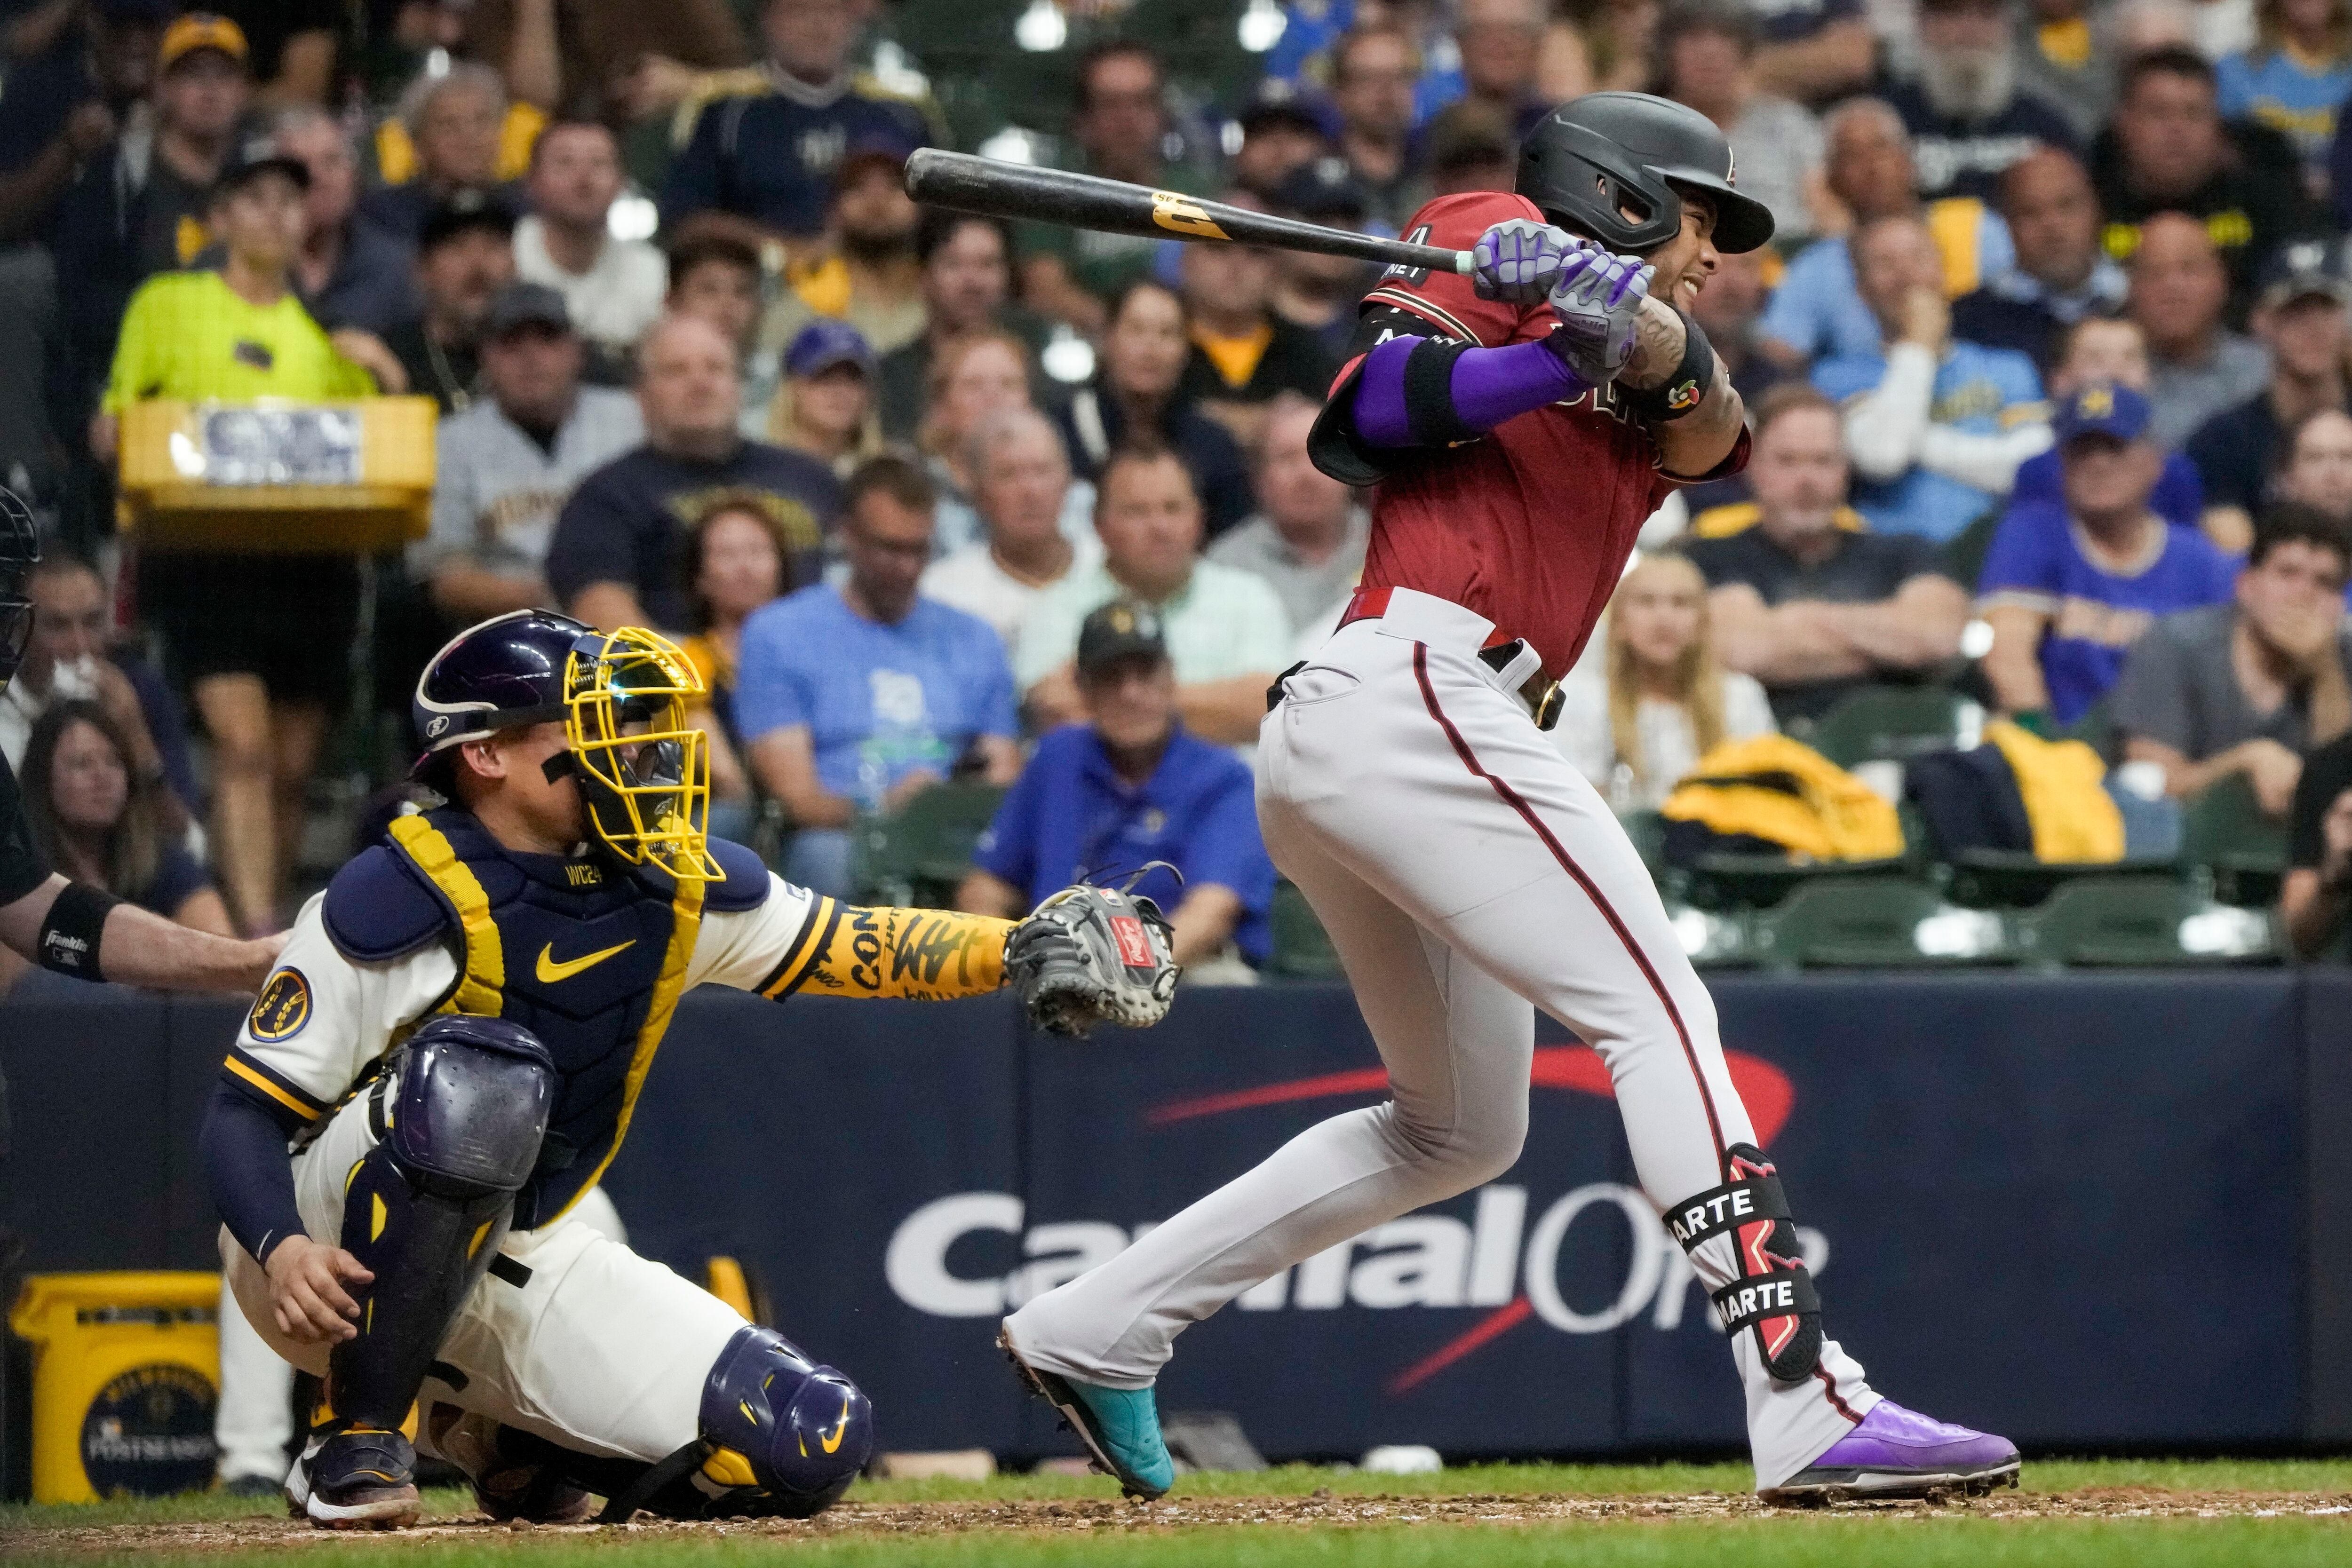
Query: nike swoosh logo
[[834, 1442], [548, 971]]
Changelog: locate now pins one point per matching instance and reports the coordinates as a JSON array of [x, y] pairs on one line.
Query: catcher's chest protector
[[589, 959]]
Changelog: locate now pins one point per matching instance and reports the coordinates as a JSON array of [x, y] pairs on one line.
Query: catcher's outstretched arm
[[926, 955]]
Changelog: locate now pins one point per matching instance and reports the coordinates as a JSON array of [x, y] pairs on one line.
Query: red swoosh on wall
[[1763, 1088]]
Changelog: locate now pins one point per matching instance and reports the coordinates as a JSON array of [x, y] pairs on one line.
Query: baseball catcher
[[451, 1047]]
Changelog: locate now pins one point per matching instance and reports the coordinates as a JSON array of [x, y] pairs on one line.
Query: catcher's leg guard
[[782, 1435], [462, 1119], [1773, 1294]]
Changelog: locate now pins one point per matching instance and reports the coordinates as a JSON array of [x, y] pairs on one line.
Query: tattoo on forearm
[[1659, 341]]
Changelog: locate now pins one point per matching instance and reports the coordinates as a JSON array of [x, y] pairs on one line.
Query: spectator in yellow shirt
[[263, 641]]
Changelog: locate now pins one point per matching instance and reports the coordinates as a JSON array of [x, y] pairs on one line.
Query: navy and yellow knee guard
[[774, 1420], [1773, 1293], [460, 1125]]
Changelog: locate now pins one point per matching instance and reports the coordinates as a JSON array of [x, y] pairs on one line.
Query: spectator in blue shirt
[[771, 159], [1816, 313], [2099, 349], [855, 698], [2296, 76], [1936, 427], [2068, 592], [1128, 787]]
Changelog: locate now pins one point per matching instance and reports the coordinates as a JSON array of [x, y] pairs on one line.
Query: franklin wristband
[[69, 934], [1683, 392]]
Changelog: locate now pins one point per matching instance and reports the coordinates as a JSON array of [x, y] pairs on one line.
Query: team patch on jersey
[[282, 1009]]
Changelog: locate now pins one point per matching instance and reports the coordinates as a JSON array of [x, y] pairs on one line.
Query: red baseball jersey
[[1531, 524]]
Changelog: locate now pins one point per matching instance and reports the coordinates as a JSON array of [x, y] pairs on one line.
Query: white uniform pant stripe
[[1451, 915]]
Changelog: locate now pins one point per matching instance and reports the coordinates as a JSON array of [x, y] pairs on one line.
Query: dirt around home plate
[[1090, 1516]]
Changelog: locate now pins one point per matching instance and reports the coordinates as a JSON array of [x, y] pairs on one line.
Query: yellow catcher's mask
[[645, 776]]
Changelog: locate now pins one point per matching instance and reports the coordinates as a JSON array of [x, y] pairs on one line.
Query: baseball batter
[[1520, 425], [451, 1048]]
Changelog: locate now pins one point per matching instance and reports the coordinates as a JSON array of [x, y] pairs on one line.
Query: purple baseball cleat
[[1896, 1453]]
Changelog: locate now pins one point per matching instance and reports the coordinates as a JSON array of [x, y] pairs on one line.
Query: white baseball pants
[[1467, 875], [596, 1348]]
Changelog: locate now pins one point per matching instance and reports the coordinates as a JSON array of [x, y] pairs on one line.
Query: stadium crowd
[[2048, 367]]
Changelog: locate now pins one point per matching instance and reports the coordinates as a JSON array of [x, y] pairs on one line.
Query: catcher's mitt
[[1090, 954]]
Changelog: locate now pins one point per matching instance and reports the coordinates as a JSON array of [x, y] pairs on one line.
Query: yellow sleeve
[[139, 363], [346, 379], [924, 955]]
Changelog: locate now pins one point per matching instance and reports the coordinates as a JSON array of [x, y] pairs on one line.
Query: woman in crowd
[[1661, 702], [735, 554], [825, 405], [99, 824], [2318, 468], [1144, 346]]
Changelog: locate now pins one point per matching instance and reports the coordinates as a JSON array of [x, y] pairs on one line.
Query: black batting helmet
[[1599, 157], [20, 547]]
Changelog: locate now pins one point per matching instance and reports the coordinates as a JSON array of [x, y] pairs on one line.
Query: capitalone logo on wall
[[1499, 1259]]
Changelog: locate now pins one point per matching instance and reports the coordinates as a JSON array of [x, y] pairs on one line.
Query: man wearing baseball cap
[[139, 208], [2069, 588], [1128, 787], [2301, 316], [511, 459], [465, 254]]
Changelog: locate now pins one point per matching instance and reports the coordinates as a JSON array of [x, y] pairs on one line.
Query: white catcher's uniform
[[572, 1336], [1467, 875]]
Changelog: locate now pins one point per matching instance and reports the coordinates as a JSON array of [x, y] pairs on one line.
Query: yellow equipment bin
[[126, 1373]]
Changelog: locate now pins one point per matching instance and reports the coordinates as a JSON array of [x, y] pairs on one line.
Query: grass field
[[2092, 1513]]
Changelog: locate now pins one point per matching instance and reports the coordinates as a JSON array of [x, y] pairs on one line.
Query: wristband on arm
[[1681, 393], [70, 932]]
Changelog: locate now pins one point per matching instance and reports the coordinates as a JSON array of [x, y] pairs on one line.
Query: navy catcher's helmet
[[504, 673], [20, 547], [1598, 156]]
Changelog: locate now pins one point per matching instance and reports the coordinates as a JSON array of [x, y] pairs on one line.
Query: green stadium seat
[[1721, 882], [2222, 829], [1714, 939], [918, 856], [1895, 724], [2109, 922], [1877, 922], [1302, 950], [1647, 830], [2016, 879]]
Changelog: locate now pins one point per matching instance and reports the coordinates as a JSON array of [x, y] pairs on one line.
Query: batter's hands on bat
[[1598, 300], [1521, 261], [306, 1290]]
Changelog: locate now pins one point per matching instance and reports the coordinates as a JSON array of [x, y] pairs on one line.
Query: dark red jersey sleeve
[[1446, 300]]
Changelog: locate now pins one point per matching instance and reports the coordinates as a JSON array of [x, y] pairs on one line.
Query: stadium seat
[[1302, 950], [2223, 830], [2109, 922], [918, 856], [1877, 922], [1648, 831], [1721, 882], [1895, 724], [2016, 879]]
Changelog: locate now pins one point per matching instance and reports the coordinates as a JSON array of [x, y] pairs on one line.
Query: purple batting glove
[[1597, 305], [1522, 261]]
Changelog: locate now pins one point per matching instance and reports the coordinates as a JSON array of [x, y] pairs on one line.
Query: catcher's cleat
[[1120, 1426], [1899, 1453], [505, 1487], [354, 1477]]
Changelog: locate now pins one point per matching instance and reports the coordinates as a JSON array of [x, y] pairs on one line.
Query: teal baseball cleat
[[1120, 1426]]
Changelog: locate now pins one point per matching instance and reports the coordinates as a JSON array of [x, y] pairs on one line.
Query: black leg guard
[[462, 1115], [1773, 1294]]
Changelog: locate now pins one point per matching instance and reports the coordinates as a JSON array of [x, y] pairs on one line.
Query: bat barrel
[[961, 183]]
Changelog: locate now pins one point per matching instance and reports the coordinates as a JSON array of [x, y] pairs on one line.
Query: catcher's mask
[[645, 776]]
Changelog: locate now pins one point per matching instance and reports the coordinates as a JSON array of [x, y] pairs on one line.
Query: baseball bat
[[964, 184]]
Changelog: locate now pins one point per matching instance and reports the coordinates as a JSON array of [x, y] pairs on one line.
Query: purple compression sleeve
[[1486, 386]]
